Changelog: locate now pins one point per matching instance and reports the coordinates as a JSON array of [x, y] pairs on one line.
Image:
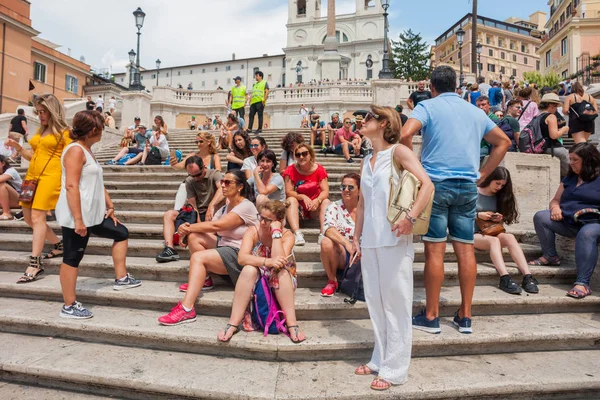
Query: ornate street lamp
[[131, 66], [139, 23], [460, 36], [479, 49], [157, 69], [386, 72]]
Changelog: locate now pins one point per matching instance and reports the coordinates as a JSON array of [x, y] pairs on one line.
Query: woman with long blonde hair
[[207, 150], [44, 168]]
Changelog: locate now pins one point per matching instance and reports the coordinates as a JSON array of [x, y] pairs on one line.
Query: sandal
[[386, 385], [553, 261], [6, 217], [363, 370], [34, 262], [57, 251], [577, 293], [237, 329], [296, 332]]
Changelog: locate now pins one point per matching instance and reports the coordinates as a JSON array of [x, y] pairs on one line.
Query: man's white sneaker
[[299, 238]]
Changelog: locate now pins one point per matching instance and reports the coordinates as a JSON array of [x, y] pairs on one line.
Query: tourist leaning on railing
[[306, 189], [289, 143], [496, 204], [266, 249], [10, 187], [338, 231], [574, 212], [240, 150], [83, 208], [47, 146], [387, 249], [215, 244]]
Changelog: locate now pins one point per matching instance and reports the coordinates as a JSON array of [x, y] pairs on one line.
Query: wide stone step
[[310, 274], [14, 391], [152, 193], [149, 248], [162, 296], [131, 372], [327, 340]]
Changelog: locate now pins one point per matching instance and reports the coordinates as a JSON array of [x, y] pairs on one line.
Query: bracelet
[[110, 208], [264, 261], [276, 230]]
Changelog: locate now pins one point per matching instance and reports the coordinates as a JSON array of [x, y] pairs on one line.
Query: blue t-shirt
[[452, 132], [575, 198], [495, 95]]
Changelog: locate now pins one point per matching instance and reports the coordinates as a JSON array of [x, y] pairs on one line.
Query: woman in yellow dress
[[44, 166]]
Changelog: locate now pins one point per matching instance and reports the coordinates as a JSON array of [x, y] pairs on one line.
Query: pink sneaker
[[177, 316], [208, 285], [329, 289]]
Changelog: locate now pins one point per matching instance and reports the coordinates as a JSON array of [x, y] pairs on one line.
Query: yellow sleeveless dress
[[49, 182]]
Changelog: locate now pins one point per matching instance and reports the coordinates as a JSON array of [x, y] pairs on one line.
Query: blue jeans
[[586, 242], [453, 211]]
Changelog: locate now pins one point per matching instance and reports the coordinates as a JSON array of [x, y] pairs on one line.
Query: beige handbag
[[403, 197]]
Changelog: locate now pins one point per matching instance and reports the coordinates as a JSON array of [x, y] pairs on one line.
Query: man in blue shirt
[[452, 131], [496, 96]]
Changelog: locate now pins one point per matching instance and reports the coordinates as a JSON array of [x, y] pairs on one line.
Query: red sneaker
[[177, 316], [208, 285], [329, 289]]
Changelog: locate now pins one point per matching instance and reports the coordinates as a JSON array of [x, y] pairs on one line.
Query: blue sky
[[182, 32]]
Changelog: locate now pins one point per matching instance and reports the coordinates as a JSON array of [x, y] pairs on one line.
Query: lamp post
[[139, 23], [131, 66], [386, 72], [157, 69], [479, 49], [460, 36]]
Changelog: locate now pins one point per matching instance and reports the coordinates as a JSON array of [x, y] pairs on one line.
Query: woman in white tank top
[[387, 251], [85, 207]]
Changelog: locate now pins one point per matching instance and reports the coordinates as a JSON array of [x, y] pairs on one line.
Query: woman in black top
[[551, 130], [583, 110]]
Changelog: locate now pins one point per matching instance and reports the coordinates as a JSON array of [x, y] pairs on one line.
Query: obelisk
[[330, 61]]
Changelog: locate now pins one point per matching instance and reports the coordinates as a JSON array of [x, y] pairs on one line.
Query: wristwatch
[[411, 219], [276, 235]]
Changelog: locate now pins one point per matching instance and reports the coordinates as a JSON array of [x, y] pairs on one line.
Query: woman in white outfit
[[387, 254]]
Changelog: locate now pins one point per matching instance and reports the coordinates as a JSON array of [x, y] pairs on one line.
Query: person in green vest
[[238, 97], [260, 92]]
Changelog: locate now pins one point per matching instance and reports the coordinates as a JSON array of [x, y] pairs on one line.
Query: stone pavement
[[543, 346]]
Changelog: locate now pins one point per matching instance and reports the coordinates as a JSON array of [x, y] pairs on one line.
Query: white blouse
[[91, 191]]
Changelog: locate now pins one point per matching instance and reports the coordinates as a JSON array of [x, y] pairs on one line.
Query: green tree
[[550, 79], [411, 55]]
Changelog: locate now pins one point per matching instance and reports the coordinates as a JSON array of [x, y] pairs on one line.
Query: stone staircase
[[528, 346]]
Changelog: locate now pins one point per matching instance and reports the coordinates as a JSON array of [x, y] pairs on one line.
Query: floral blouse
[[338, 217], [260, 250]]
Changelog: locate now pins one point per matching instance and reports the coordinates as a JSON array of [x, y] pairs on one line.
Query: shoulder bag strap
[[523, 111], [52, 155]]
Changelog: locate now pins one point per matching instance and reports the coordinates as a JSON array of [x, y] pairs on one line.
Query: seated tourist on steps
[[266, 182], [306, 189], [496, 203], [569, 216], [158, 140], [10, 187], [338, 231], [257, 144], [207, 150], [203, 192], [317, 131], [267, 249], [289, 143], [139, 140], [214, 245], [346, 141], [240, 150], [227, 131], [84, 207]]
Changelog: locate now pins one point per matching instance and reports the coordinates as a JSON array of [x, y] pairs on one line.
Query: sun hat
[[551, 98]]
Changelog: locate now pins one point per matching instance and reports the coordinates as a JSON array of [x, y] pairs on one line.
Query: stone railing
[[188, 98]]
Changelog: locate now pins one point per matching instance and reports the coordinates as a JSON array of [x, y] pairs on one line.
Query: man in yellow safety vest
[[238, 97], [260, 92]]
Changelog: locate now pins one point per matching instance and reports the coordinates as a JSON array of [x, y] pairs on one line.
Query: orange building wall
[[16, 55]]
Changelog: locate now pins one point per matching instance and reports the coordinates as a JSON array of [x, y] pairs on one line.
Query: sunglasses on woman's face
[[264, 219], [40, 112], [302, 154], [370, 116], [227, 182], [347, 187], [254, 146], [199, 141]]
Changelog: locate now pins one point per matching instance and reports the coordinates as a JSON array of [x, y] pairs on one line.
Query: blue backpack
[[266, 313]]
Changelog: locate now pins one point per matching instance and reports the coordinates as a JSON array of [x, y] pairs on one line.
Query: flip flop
[[237, 329], [296, 331]]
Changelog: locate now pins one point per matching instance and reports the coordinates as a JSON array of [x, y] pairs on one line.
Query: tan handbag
[[403, 197], [489, 228]]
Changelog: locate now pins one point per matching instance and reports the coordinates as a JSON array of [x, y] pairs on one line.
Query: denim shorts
[[339, 151], [453, 212]]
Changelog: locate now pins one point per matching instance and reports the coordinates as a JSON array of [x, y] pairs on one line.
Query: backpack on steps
[[531, 139], [265, 311], [154, 157], [352, 283]]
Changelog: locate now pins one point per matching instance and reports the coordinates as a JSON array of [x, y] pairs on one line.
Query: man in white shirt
[[100, 102]]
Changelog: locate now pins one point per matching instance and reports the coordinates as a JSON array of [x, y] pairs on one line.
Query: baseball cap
[[237, 78]]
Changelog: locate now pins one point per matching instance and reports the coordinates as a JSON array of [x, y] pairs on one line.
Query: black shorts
[[135, 150], [75, 245]]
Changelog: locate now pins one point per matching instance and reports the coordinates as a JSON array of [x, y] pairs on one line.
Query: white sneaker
[[299, 238], [320, 239]]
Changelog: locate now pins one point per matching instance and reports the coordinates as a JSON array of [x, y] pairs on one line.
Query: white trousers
[[388, 281]]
